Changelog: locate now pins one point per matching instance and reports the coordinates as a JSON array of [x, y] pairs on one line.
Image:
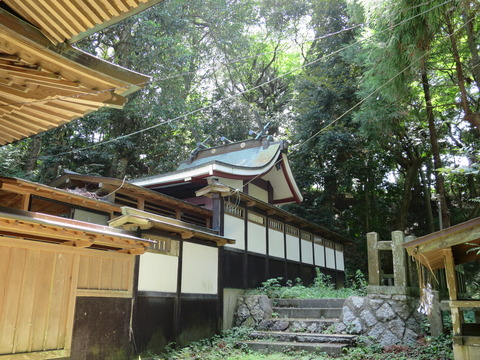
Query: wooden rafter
[[43, 86], [74, 19], [23, 224]]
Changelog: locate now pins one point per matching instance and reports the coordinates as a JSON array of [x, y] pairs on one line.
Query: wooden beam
[[186, 235], [450, 274]]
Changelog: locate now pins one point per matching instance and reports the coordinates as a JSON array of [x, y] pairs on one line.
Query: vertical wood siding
[[37, 296]]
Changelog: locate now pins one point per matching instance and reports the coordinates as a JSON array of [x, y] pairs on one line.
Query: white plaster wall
[[319, 255], [293, 248], [234, 228], [275, 244], [257, 192], [307, 252], [330, 253], [200, 269], [158, 272], [236, 184], [257, 240], [340, 262]]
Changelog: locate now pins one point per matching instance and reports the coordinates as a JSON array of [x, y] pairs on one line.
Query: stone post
[[399, 259], [435, 317], [373, 259]]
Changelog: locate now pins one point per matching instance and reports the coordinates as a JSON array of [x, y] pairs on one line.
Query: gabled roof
[[72, 20], [43, 85], [461, 239], [245, 160]]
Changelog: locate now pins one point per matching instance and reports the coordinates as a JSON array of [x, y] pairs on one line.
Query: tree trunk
[[470, 116], [468, 18], [428, 202], [411, 172], [33, 152], [437, 162]]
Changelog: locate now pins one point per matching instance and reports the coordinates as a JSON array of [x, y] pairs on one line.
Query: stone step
[[296, 324], [304, 337], [305, 303], [279, 346], [308, 312]]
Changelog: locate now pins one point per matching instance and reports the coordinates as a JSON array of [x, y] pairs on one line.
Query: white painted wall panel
[[330, 253], [340, 262], [319, 255], [257, 240], [307, 252], [234, 228], [276, 246], [158, 272], [200, 269], [293, 248], [236, 184], [257, 192]]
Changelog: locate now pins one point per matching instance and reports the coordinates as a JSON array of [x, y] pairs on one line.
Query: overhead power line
[[323, 58]]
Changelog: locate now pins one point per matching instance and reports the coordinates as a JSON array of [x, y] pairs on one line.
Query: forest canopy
[[378, 99]]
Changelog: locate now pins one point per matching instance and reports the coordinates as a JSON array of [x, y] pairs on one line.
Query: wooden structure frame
[[93, 264], [45, 82], [447, 249], [50, 265]]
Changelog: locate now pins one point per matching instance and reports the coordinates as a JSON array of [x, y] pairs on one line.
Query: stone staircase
[[301, 324]]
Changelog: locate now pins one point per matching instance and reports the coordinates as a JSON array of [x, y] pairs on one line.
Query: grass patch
[[322, 288], [225, 347]]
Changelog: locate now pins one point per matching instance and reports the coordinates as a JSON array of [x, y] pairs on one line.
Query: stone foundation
[[387, 319], [252, 310]]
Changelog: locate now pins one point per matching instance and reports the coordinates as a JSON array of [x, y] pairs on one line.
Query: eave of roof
[[43, 86], [271, 210], [137, 219], [119, 185], [429, 249], [49, 228], [22, 186], [73, 20]]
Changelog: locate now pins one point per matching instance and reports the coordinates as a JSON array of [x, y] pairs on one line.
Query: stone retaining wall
[[252, 310], [387, 319]]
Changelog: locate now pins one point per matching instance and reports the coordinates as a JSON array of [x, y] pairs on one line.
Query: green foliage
[[225, 347], [322, 288]]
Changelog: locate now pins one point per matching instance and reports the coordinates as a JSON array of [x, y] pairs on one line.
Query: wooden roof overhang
[[53, 229], [72, 20], [133, 219], [12, 191], [43, 85], [271, 210], [430, 249], [105, 185]]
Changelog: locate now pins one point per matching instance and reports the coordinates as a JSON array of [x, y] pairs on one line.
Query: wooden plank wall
[[39, 283], [37, 297], [105, 274]]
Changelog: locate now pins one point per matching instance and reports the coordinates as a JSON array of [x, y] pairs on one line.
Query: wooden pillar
[[452, 290], [373, 259], [141, 203], [399, 259], [25, 202]]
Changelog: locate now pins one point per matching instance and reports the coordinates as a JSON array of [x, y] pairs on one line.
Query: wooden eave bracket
[[129, 222], [208, 190]]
